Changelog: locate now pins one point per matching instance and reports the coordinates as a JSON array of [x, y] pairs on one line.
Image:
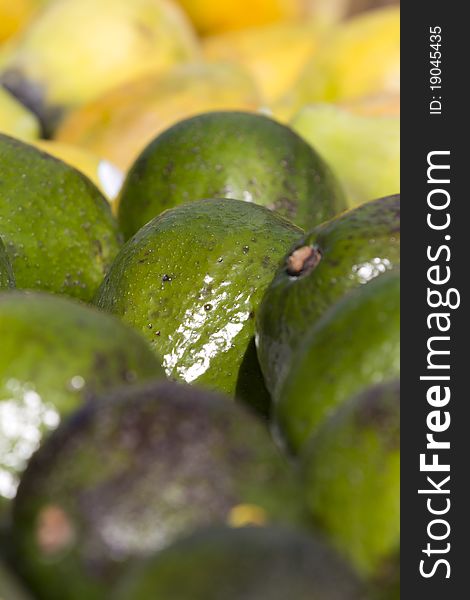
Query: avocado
[[54, 353], [355, 344], [7, 279], [10, 588], [191, 281], [171, 458], [352, 477], [249, 563], [57, 228], [230, 155], [339, 255]]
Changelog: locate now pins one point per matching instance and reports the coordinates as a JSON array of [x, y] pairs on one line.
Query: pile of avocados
[[199, 389]]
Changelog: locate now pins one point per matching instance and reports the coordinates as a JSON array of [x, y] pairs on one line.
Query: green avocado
[[337, 256], [249, 563], [10, 588], [54, 353], [355, 344], [230, 155], [352, 478], [57, 228], [191, 281], [129, 473], [7, 279]]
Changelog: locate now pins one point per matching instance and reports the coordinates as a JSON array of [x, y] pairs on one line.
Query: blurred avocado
[[249, 563], [57, 227], [130, 473], [7, 279], [75, 50], [191, 282], [355, 344], [230, 155], [15, 119], [10, 587], [363, 150], [352, 478], [121, 123], [339, 255], [54, 353]]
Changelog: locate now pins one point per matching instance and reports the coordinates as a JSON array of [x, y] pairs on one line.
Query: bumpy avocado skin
[[249, 563], [191, 282], [355, 344], [172, 458], [230, 155], [57, 228], [7, 279], [54, 353], [352, 478], [355, 247]]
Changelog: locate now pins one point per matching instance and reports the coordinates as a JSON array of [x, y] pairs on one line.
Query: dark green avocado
[[237, 155], [57, 227], [54, 352], [355, 344], [10, 588], [337, 256], [7, 279], [131, 472], [352, 478], [191, 282], [249, 563]]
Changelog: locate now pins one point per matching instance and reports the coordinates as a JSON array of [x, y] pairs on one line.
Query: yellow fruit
[[107, 177], [14, 14], [78, 49], [120, 124], [360, 57], [375, 105], [274, 54], [15, 119], [210, 16], [363, 150]]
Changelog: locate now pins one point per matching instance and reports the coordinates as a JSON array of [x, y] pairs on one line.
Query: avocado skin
[[54, 353], [230, 155], [355, 344], [352, 478], [191, 282], [356, 246], [10, 588], [57, 227], [7, 279], [249, 563], [172, 458]]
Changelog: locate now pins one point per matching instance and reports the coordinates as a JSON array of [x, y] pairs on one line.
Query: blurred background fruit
[[15, 14], [360, 56], [78, 49], [362, 149], [213, 17], [15, 119], [119, 124], [274, 54]]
